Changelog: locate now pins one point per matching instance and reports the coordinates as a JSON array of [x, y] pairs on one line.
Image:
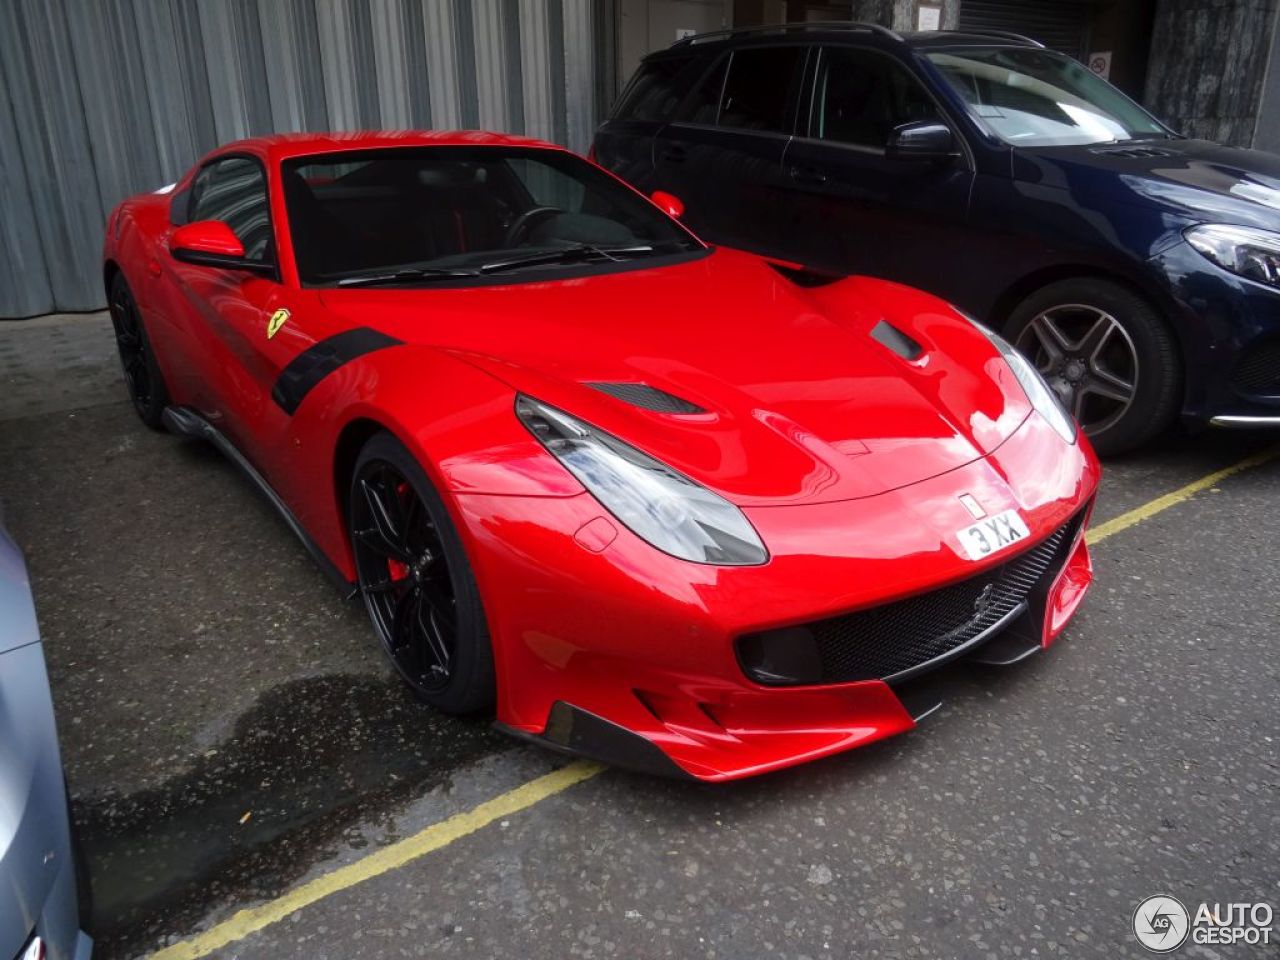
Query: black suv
[[1139, 269]]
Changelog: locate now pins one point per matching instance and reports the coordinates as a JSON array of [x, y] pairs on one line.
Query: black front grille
[[1258, 371], [896, 638]]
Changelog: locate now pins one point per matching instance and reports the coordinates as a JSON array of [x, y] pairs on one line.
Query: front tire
[[142, 374], [1108, 355], [416, 581]]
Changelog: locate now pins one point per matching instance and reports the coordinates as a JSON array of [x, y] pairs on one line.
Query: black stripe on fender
[[322, 358]]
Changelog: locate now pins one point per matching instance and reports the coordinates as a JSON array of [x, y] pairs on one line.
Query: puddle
[[318, 765]]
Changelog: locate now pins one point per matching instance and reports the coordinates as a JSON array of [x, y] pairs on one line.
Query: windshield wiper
[[406, 275], [577, 253]]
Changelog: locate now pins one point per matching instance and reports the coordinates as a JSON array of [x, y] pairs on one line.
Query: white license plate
[[982, 538]]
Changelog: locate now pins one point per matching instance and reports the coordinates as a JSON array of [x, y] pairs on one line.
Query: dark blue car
[[1139, 269]]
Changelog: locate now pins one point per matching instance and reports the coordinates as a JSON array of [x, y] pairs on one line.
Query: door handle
[[810, 175], [674, 154]]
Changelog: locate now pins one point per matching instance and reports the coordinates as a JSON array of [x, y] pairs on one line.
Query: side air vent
[[647, 398], [887, 335]]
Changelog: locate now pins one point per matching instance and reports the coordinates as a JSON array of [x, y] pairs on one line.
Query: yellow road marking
[[1160, 504], [441, 834], [438, 835]]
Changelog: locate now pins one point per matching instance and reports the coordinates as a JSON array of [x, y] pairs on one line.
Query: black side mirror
[[223, 262], [926, 140]]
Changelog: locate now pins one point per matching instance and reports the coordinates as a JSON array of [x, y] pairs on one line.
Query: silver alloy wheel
[[1088, 359]]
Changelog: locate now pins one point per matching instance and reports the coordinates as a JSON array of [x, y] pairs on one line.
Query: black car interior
[[863, 97], [412, 207]]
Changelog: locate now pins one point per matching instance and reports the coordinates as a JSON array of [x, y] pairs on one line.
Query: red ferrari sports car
[[672, 506]]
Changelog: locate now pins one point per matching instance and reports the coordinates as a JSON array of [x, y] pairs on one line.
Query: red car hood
[[801, 403]]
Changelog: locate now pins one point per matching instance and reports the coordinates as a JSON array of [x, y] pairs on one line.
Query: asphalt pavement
[[230, 733]]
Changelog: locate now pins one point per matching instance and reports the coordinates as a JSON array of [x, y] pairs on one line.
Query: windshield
[[414, 214], [1036, 98]]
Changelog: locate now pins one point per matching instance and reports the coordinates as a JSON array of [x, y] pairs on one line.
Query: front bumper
[[1229, 332], [599, 634]]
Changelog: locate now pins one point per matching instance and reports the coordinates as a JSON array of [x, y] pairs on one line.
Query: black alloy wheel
[[416, 583], [1107, 353], [141, 373]]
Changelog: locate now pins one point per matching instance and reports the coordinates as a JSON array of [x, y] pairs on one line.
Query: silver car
[[39, 914]]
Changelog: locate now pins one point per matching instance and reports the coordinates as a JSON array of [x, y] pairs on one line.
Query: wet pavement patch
[[317, 765]]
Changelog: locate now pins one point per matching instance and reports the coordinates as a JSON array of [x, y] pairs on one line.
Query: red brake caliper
[[395, 569]]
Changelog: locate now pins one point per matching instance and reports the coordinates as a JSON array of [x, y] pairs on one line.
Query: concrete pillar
[[1266, 134], [902, 14], [1208, 65]]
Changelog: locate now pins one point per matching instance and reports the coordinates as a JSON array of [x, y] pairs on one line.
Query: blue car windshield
[[1037, 98]]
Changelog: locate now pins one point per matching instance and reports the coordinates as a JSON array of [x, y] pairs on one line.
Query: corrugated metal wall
[[103, 98]]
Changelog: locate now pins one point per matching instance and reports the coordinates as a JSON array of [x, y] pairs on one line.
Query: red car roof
[[281, 146]]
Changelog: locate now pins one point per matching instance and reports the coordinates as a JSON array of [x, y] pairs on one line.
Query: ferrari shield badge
[[276, 322]]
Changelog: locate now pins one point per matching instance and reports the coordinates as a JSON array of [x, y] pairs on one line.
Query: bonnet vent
[[1136, 153], [647, 398], [887, 335]]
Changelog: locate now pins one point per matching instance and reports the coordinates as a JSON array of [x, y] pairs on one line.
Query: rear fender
[[133, 246]]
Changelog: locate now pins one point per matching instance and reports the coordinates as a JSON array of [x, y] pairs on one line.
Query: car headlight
[[1041, 395], [656, 503], [1248, 251]]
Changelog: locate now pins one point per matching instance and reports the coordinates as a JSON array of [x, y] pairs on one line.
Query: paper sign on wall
[[929, 17], [1100, 63]]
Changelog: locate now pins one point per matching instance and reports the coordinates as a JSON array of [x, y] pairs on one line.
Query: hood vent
[[804, 277], [887, 335], [1136, 153], [647, 398]]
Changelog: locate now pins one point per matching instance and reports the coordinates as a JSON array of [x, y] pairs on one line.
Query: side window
[[704, 103], [234, 191], [761, 88], [179, 207], [862, 96], [657, 89]]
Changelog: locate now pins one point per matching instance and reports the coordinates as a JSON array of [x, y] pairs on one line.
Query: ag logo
[[276, 322], [1161, 924]]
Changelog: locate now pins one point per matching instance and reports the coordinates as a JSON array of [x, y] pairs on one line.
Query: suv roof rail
[[1005, 34], [851, 25]]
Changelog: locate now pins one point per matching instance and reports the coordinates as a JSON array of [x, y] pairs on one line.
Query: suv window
[[234, 191], [761, 88], [704, 103], [657, 89], [861, 96]]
